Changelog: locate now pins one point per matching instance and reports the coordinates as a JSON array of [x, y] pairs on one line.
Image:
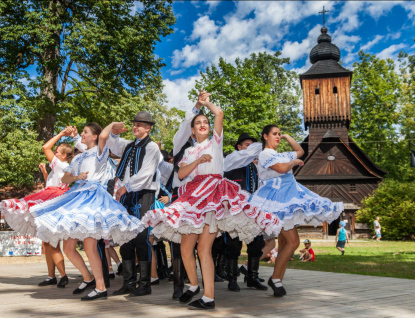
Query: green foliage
[[394, 203], [20, 152], [253, 92], [76, 42], [380, 122]]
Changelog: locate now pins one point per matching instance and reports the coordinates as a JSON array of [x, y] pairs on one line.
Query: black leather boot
[[159, 259], [252, 276], [104, 263], [144, 283], [220, 267], [105, 272], [130, 278], [165, 261], [178, 278], [232, 272]]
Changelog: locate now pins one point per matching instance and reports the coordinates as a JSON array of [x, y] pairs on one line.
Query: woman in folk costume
[[281, 195], [205, 205], [86, 212], [16, 211]]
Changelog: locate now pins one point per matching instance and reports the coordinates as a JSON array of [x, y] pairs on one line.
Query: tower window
[[352, 187], [335, 90], [317, 91]]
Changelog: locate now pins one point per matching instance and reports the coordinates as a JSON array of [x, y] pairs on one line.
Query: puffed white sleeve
[[144, 178], [165, 169], [267, 159], [117, 144], [78, 144], [242, 158], [292, 155], [184, 131]]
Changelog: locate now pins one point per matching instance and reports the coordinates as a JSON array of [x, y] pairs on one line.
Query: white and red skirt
[[216, 201], [16, 211]]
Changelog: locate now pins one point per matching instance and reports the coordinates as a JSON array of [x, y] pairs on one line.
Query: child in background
[[272, 255], [307, 254], [342, 237]]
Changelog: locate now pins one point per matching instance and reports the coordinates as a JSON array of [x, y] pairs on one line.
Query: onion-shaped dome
[[324, 50]]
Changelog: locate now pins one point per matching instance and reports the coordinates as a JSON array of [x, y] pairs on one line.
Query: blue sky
[[206, 30]]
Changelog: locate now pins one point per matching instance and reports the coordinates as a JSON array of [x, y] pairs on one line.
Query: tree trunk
[[46, 125]]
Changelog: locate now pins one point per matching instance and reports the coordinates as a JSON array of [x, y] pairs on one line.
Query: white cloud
[[391, 52], [243, 34], [295, 50], [176, 72], [177, 92], [393, 35], [370, 44]]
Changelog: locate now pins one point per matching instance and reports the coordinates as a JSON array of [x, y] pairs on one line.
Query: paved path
[[310, 294]]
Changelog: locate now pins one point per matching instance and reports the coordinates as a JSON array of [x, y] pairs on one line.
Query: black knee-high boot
[[144, 283], [232, 274], [130, 278], [104, 262], [220, 266], [178, 278], [252, 276], [160, 261]]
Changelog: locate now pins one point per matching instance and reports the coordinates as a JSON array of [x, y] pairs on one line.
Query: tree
[[252, 93], [394, 203], [376, 114], [20, 152], [73, 42]]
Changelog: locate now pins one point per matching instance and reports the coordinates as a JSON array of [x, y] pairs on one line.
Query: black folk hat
[[242, 138], [144, 117]]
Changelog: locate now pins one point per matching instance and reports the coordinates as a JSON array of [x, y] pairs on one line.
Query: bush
[[394, 203]]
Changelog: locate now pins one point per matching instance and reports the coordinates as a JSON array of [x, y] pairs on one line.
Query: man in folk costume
[[240, 168], [136, 175]]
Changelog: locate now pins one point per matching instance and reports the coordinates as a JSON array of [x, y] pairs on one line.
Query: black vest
[[242, 177]]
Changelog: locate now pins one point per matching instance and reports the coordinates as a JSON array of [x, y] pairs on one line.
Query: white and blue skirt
[[86, 210], [293, 203]]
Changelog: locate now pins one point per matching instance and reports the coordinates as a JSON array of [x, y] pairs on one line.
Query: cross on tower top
[[324, 16]]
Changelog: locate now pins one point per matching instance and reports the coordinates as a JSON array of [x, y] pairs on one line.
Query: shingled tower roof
[[325, 57]]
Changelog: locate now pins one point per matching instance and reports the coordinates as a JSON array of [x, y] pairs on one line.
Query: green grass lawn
[[386, 258]]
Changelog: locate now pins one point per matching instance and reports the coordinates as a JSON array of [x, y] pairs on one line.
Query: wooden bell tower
[[326, 92], [334, 165]]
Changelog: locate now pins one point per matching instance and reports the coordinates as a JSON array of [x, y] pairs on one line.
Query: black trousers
[[234, 247], [137, 204], [175, 247]]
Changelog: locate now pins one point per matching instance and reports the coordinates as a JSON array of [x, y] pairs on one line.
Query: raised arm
[[242, 158], [47, 147], [184, 131], [218, 124], [42, 168], [77, 140], [295, 145], [110, 136]]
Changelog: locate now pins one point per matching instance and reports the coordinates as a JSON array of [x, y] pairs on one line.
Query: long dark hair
[[95, 129], [265, 131]]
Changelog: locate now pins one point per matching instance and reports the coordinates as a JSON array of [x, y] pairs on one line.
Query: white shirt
[[78, 144], [213, 147], [143, 180], [375, 224], [55, 176], [165, 169], [179, 140], [269, 157], [90, 161], [242, 158]]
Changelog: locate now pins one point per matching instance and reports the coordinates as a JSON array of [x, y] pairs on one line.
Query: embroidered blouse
[[269, 157], [90, 161], [55, 176], [213, 147]]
